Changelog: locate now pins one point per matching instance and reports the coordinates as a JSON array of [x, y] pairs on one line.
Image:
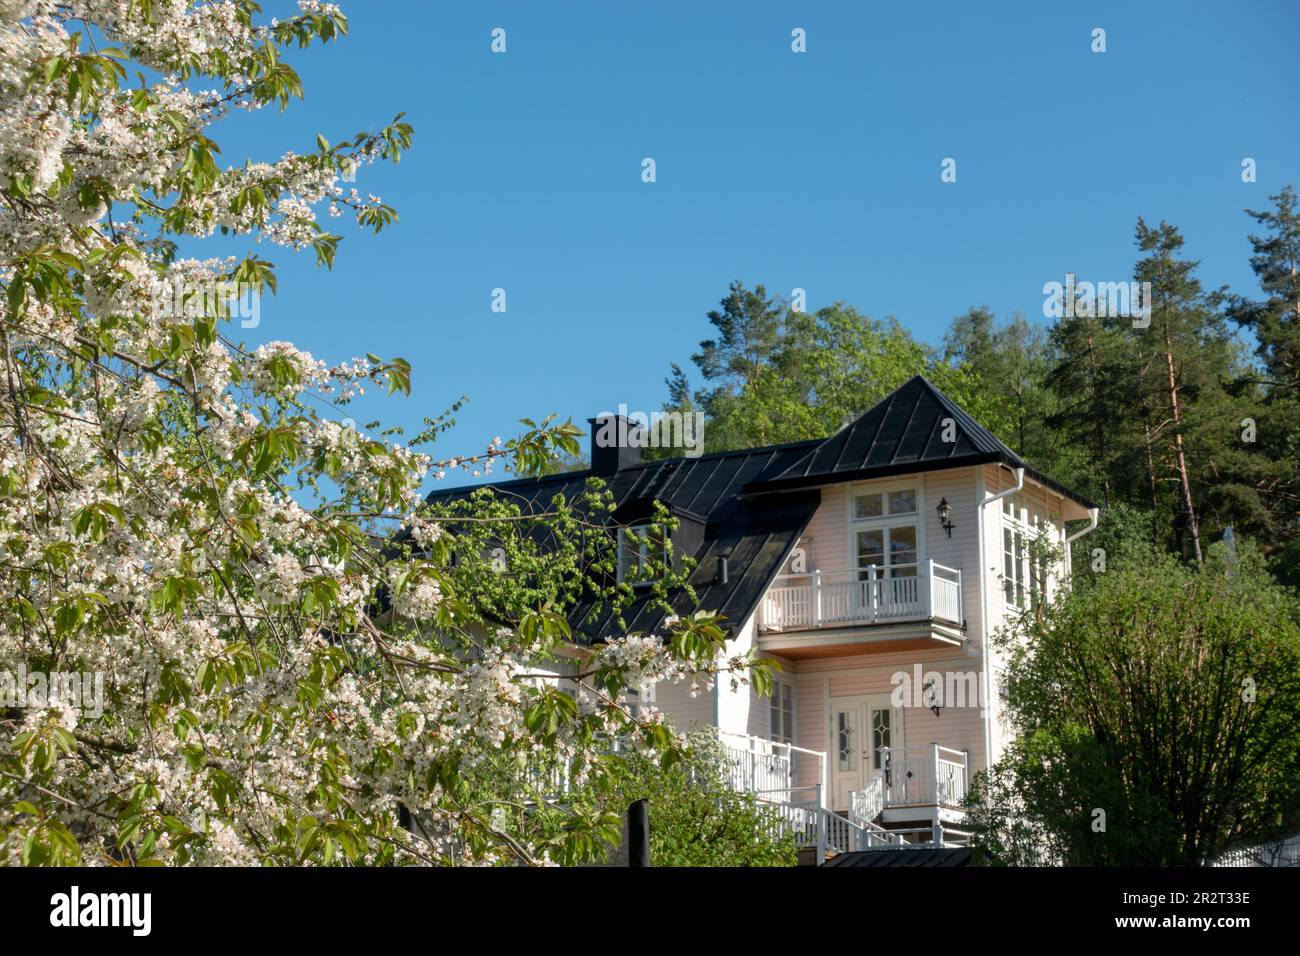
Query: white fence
[[1281, 853]]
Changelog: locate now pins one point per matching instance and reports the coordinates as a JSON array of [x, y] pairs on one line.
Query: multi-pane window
[[1013, 565], [783, 713], [846, 739], [880, 504], [880, 719], [1024, 571], [891, 547], [642, 553]]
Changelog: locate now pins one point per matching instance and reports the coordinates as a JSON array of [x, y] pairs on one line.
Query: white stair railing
[[813, 825], [866, 805], [842, 835]]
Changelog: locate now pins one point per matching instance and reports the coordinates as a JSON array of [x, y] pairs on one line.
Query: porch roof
[[958, 856]]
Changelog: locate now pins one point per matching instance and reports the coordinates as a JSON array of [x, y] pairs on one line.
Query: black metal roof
[[955, 856], [905, 432], [756, 532]]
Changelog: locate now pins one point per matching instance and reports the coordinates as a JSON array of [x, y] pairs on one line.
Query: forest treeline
[[1192, 420]]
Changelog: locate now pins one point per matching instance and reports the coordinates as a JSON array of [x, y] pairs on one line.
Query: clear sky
[[818, 170]]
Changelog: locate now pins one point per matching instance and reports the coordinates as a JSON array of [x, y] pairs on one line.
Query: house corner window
[[1013, 566], [782, 730], [1024, 568], [642, 554], [641, 699]]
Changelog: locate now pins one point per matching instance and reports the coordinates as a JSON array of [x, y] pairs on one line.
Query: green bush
[[1156, 709], [695, 818]]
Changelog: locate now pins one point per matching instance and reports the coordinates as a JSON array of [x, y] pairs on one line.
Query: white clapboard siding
[[828, 547]]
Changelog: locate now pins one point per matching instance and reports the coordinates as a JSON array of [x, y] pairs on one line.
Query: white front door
[[861, 728]]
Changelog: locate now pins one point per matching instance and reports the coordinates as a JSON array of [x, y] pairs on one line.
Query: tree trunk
[[1151, 469], [1099, 421], [1193, 527]]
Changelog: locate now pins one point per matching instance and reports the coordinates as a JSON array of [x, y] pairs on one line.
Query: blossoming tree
[[302, 664]]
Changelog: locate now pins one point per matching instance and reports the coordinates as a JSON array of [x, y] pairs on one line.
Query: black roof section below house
[[954, 856], [905, 432], [756, 533]]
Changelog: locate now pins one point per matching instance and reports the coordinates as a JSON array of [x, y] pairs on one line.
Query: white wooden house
[[872, 566]]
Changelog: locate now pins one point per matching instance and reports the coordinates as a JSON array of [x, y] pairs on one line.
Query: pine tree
[[1087, 381], [1012, 362], [1187, 362], [1275, 322]]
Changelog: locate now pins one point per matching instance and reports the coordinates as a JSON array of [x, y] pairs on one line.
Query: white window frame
[[854, 524], [643, 531], [1025, 518], [546, 675], [782, 695]]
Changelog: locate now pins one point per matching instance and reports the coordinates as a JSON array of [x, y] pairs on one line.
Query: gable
[[915, 428]]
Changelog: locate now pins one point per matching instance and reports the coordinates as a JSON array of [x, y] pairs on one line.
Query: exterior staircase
[[766, 769]]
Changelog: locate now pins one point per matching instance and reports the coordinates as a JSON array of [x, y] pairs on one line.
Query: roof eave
[[912, 468], [867, 474]]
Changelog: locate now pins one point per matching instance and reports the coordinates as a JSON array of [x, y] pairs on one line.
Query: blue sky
[[818, 170]]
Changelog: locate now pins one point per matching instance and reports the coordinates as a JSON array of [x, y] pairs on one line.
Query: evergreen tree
[[1090, 366], [1012, 362], [774, 375], [1187, 362], [1275, 322]]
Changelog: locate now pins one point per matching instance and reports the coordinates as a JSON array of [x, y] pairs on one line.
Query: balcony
[[931, 779], [865, 596]]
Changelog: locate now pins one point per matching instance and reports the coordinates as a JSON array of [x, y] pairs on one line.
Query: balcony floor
[[846, 640]]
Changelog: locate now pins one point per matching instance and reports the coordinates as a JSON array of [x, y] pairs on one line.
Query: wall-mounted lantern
[[930, 696], [945, 516]]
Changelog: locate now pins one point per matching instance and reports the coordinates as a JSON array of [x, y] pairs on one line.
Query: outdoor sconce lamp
[[930, 696], [945, 516]]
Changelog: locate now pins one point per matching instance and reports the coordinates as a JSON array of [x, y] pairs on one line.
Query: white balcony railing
[[868, 595], [769, 768], [933, 776]]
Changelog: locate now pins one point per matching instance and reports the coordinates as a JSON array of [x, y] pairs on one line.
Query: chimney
[[616, 443]]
